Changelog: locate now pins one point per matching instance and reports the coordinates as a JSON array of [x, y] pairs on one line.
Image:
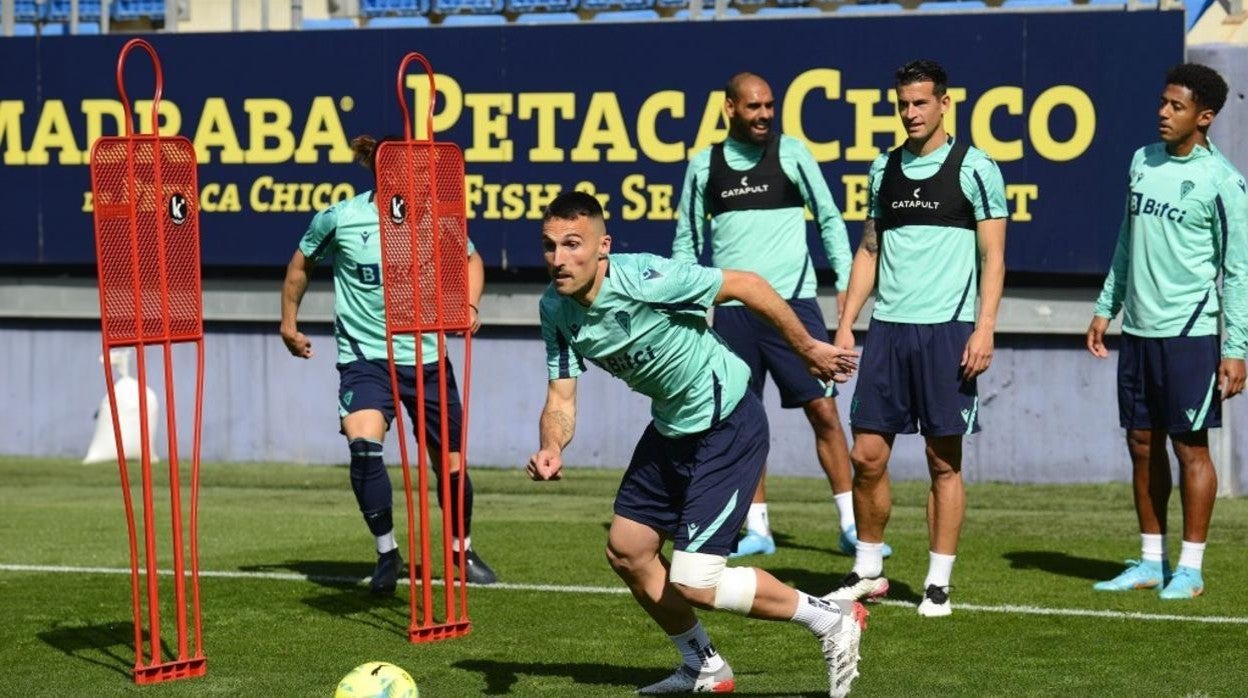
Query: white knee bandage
[[697, 570], [736, 590], [734, 586]]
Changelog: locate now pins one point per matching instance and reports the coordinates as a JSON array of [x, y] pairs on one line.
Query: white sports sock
[[385, 543], [1152, 547], [845, 507], [455, 544], [819, 616], [1191, 555], [869, 559], [756, 520], [696, 649], [939, 569]]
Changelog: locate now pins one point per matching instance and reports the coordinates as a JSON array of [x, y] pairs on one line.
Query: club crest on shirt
[[1186, 188], [625, 322]]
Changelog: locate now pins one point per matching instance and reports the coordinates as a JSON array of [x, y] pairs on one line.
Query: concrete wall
[[1048, 409]]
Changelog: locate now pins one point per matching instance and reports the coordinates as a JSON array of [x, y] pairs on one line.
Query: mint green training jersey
[[1186, 221], [772, 242], [350, 231], [926, 271], [647, 326]]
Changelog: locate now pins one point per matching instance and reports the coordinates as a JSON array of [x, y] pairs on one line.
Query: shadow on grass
[[1063, 564], [501, 677], [334, 574], [109, 645], [388, 614], [818, 583]]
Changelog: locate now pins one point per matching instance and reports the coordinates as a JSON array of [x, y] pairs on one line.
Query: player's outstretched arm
[[555, 429], [293, 288], [824, 360], [861, 281]]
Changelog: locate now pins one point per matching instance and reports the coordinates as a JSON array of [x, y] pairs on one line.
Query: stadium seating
[[126, 10], [27, 11], [952, 6], [519, 7], [397, 22], [88, 11], [872, 9], [548, 18], [646, 15], [400, 8], [455, 7]]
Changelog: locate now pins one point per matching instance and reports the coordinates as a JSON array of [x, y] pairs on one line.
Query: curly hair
[[1207, 87]]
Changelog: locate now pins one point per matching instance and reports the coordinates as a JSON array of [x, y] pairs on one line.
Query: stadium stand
[[59, 11], [129, 10], [395, 8]]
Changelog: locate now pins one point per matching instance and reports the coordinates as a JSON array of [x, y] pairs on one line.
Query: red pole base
[[171, 671], [439, 631]]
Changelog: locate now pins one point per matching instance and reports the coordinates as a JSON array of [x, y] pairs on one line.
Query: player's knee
[[822, 415], [869, 463], [366, 457], [705, 581], [626, 562]]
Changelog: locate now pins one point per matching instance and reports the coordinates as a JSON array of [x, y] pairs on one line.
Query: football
[[377, 680]]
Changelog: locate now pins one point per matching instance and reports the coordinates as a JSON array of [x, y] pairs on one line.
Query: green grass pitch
[[1026, 621]]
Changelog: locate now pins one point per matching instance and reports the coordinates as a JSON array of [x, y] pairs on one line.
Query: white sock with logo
[[756, 520], [696, 649], [845, 507], [819, 616]]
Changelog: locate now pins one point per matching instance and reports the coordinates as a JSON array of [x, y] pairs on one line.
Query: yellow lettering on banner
[[53, 131], [474, 193], [634, 200], [604, 126], [867, 123], [488, 127], [547, 106], [647, 126], [603, 198], [87, 202], [825, 79], [540, 196], [714, 125], [95, 110], [1021, 195], [645, 200], [269, 120], [1085, 123], [857, 197], [11, 131], [452, 102], [215, 198], [513, 201], [169, 117], [216, 130], [323, 130], [1011, 98], [261, 184]]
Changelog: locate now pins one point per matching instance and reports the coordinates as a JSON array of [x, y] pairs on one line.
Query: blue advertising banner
[[1060, 100]]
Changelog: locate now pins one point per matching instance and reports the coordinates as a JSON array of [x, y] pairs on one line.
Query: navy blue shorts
[[765, 351], [1169, 383], [365, 385], [910, 380], [697, 489]]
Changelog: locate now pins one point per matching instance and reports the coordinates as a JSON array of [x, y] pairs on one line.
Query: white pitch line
[[572, 589]]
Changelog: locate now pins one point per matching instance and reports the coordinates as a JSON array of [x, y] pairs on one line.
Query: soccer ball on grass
[[377, 680]]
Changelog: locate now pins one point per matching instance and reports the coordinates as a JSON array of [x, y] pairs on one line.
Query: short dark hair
[[732, 90], [923, 71], [571, 205], [1208, 88]]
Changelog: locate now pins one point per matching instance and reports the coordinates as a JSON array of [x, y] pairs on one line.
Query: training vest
[[764, 186], [937, 200]]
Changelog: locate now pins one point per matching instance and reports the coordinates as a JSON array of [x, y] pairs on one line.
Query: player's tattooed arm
[[870, 239], [558, 422]]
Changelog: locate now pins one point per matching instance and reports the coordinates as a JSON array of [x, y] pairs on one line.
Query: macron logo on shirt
[[650, 274]]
